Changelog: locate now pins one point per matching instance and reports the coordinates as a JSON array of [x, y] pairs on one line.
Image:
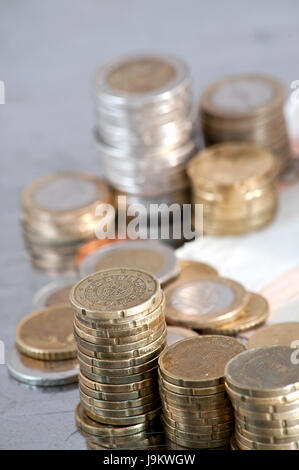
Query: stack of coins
[[196, 410], [120, 331], [214, 305], [45, 352], [151, 256], [248, 108], [58, 216], [144, 127], [263, 385], [236, 184]]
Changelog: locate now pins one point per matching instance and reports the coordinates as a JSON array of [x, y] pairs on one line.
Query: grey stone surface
[[48, 51]]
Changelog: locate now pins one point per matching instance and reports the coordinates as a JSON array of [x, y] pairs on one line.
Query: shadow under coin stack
[[263, 385], [58, 216], [247, 108], [197, 413], [45, 355], [144, 128], [237, 185], [120, 330]]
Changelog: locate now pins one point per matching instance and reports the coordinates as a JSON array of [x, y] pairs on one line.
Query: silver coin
[[149, 255], [42, 373], [56, 292]]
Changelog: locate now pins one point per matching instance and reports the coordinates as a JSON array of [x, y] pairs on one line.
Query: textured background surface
[[48, 51]]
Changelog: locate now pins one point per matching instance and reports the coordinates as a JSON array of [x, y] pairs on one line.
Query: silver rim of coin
[[24, 374]]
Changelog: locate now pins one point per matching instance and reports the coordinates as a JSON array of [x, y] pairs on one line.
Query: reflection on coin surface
[[255, 312], [115, 290], [279, 334], [206, 301], [47, 334], [200, 360], [42, 373], [176, 333], [268, 369], [151, 256], [141, 75]]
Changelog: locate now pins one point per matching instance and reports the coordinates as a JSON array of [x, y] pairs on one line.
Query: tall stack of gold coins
[[248, 108], [144, 127], [196, 410], [263, 385], [58, 216], [236, 184], [120, 330]]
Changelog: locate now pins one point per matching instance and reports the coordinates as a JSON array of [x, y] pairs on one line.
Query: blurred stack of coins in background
[[196, 410], [58, 216], [120, 331], [144, 128], [148, 255], [45, 354], [237, 185], [213, 304], [247, 108], [263, 385]]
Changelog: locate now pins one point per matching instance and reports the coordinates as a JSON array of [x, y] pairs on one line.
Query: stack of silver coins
[[144, 127]]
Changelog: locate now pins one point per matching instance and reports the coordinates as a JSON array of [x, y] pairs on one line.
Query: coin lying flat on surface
[[47, 334], [176, 333], [152, 256], [54, 293], [255, 312], [278, 334], [42, 373], [205, 302]]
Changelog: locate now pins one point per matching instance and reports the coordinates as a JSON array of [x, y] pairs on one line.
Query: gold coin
[[118, 372], [270, 409], [257, 421], [117, 405], [123, 421], [121, 344], [47, 334], [198, 362], [195, 391], [198, 401], [196, 444], [256, 311], [201, 429], [262, 438], [279, 334], [110, 388], [277, 400], [60, 296], [196, 436], [232, 165], [119, 413], [205, 302], [190, 407], [181, 414], [263, 372], [105, 430], [152, 373], [89, 350], [233, 443], [116, 293], [126, 326], [118, 396], [268, 433], [177, 333], [273, 418], [248, 444], [191, 269]]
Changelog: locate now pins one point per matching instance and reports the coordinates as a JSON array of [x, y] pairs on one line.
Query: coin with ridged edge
[[196, 362], [39, 336], [116, 293]]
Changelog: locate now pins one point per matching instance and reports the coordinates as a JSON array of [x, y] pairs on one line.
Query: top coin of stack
[[144, 124], [58, 215], [263, 385], [248, 108], [236, 183], [196, 409], [120, 331]]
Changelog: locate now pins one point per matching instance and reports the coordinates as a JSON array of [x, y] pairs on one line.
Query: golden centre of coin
[[202, 359], [141, 75], [210, 300], [115, 290], [190, 269], [148, 260], [228, 164], [269, 369], [60, 296], [279, 334], [47, 334]]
